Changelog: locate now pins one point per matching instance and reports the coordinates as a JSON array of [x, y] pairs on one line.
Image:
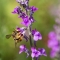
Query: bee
[[17, 36]]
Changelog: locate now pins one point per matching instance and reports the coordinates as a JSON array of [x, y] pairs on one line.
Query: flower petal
[[37, 36], [52, 54], [33, 8], [32, 55], [43, 52]]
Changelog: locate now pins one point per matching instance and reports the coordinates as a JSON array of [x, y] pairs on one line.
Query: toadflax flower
[[35, 53], [23, 49], [43, 52], [22, 15], [31, 19], [17, 10], [24, 3], [36, 35], [33, 8], [26, 21]]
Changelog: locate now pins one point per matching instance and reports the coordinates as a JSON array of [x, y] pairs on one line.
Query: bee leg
[[20, 40], [15, 43]]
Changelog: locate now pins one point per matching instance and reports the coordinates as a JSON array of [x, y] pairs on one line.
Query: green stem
[[32, 58], [29, 30]]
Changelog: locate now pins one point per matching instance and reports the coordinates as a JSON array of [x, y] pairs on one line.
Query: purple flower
[[52, 53], [22, 15], [16, 10], [36, 35], [55, 48], [52, 43], [24, 49], [33, 31], [52, 35], [31, 19], [23, 2], [33, 8], [43, 52], [26, 21], [19, 11], [35, 53], [22, 30], [57, 20]]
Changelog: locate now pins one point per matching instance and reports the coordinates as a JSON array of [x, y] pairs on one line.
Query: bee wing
[[8, 36]]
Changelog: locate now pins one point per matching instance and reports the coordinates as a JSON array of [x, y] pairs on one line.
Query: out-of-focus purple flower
[[57, 20], [26, 21], [35, 53], [43, 52], [55, 37], [16, 10], [52, 53], [36, 35], [52, 43], [52, 35], [24, 49], [57, 30], [33, 8], [55, 48]]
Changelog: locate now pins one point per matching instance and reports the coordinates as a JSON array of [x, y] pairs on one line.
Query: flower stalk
[[33, 35]]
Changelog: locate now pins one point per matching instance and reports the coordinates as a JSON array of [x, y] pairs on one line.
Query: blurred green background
[[8, 22]]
